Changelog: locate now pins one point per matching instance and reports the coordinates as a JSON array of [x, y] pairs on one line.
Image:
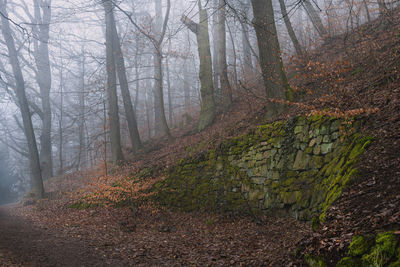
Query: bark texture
[[207, 113], [223, 67], [292, 35], [315, 18], [42, 19], [275, 80], [215, 37], [115, 135], [247, 59], [126, 96]]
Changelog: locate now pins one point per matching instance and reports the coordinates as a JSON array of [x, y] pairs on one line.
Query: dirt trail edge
[[22, 244]]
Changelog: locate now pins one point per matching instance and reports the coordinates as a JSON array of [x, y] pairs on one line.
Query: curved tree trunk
[[207, 113], [315, 18], [37, 182], [292, 35], [247, 59], [223, 67], [126, 96]]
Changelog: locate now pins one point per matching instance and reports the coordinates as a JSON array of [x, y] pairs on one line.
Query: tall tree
[[157, 41], [41, 27], [126, 96], [275, 80], [223, 67], [115, 135], [207, 113], [315, 18], [82, 155], [158, 74], [37, 182], [292, 35], [215, 38], [382, 7], [247, 59]]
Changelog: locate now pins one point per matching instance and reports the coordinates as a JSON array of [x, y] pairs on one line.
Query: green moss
[[314, 261], [360, 245], [383, 251], [315, 223], [265, 168], [349, 262]]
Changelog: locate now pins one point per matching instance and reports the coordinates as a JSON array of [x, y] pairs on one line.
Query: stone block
[[324, 129], [301, 161], [335, 135], [326, 148], [298, 129], [319, 139], [317, 150], [258, 180], [303, 146], [312, 142], [335, 126], [326, 139]]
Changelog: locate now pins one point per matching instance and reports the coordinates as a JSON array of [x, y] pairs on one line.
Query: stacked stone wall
[[291, 168]]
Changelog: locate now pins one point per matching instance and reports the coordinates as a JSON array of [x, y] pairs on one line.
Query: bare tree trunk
[[37, 182], [160, 86], [170, 106], [275, 80], [367, 10], [382, 7], [137, 76], [223, 68], [289, 28], [207, 114], [234, 57], [161, 124], [186, 85], [148, 114], [42, 16], [60, 121], [126, 96], [115, 136], [82, 156], [247, 60], [157, 70], [215, 36], [315, 18]]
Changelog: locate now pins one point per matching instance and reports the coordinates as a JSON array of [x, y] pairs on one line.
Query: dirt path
[[22, 244], [95, 237]]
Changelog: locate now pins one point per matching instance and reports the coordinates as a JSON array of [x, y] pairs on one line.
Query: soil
[[110, 237], [23, 244]]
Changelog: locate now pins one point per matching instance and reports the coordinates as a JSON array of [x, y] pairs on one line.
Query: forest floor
[[110, 237], [353, 74]]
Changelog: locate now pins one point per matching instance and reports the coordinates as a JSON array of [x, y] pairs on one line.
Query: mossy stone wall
[[291, 168]]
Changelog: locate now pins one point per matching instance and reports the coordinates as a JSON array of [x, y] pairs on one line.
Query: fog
[[64, 51]]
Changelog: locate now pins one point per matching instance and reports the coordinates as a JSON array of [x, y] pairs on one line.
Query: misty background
[[62, 53]]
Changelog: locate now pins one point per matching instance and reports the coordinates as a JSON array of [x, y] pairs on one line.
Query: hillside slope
[[351, 75]]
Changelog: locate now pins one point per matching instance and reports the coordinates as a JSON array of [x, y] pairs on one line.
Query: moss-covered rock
[[383, 252], [314, 261], [360, 245], [349, 262], [297, 167]]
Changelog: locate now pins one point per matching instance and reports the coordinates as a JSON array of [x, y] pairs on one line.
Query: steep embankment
[[291, 168]]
